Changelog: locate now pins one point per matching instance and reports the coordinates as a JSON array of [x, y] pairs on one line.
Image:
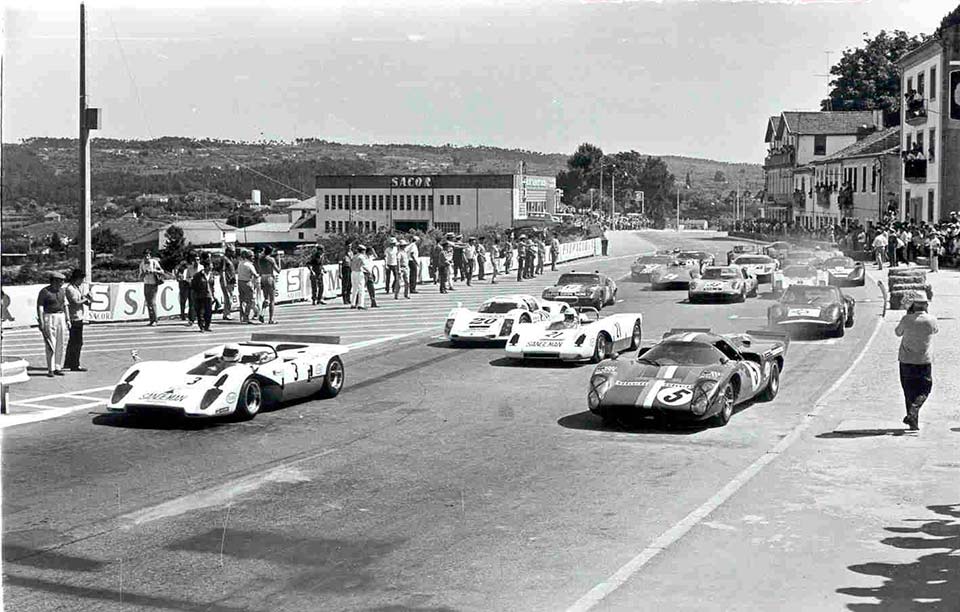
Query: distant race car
[[813, 309], [692, 374], [777, 250], [797, 274], [844, 272], [497, 317], [677, 275], [760, 266], [723, 283], [799, 257], [234, 379], [738, 250], [583, 289], [645, 265], [704, 258], [578, 336]]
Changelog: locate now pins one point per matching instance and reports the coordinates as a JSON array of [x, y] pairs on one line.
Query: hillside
[[40, 174]]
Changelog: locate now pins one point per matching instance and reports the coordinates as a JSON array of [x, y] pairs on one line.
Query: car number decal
[[483, 321], [753, 369], [617, 331], [672, 396]]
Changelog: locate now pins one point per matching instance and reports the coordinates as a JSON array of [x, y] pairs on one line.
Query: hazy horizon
[[692, 79]]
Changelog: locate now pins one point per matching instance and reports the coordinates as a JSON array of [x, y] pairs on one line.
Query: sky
[[669, 77]]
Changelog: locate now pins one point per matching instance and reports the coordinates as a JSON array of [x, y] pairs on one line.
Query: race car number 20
[[674, 396]]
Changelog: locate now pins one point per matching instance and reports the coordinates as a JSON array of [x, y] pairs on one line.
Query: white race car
[[759, 266], [797, 274], [578, 336], [497, 317], [238, 379]]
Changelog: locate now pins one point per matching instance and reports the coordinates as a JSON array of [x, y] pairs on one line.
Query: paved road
[[440, 479]]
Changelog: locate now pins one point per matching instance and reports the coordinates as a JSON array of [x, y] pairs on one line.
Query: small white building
[[201, 232]]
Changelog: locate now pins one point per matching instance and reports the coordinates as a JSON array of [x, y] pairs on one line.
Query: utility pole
[[601, 184], [678, 208], [613, 197], [89, 120]]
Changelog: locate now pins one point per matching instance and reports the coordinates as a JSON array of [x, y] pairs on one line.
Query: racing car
[[577, 337], [704, 258], [844, 272], [813, 309], [799, 257], [777, 250], [723, 282], [678, 274], [496, 318], [691, 374], [760, 266], [583, 289], [234, 379], [738, 250], [645, 265], [797, 274]]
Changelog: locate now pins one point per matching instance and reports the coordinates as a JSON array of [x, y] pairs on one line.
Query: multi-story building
[[450, 203], [856, 183], [930, 116], [797, 138]]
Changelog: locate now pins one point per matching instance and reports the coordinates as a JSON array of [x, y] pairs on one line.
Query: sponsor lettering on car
[[164, 396]]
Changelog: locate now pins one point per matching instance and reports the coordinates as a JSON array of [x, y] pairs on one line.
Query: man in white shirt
[[413, 259], [247, 280], [403, 271], [151, 274], [879, 245], [390, 270]]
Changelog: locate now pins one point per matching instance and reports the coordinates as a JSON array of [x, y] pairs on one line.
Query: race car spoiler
[[295, 338], [768, 334], [687, 330]]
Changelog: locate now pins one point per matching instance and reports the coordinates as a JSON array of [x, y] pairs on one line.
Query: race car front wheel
[[636, 337], [250, 400], [333, 379], [726, 400], [601, 349]]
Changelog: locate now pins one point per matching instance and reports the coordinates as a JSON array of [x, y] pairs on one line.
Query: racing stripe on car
[[689, 337], [651, 395], [671, 371]]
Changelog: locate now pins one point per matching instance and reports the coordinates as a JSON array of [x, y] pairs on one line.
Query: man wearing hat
[[151, 274], [445, 266], [413, 262], [933, 250], [77, 300], [916, 330], [367, 268], [459, 265], [316, 263], [521, 256], [469, 259], [357, 282], [403, 271], [390, 269], [51, 302]]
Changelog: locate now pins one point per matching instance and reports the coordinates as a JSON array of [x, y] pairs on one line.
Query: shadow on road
[[931, 583], [865, 433], [475, 344], [157, 422], [555, 364], [587, 421]]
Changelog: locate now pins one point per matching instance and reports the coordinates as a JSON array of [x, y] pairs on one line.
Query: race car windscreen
[[497, 307], [753, 260], [682, 354], [805, 294], [579, 279], [719, 274], [838, 262]]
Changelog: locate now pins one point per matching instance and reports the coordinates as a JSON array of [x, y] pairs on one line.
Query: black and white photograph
[[480, 305]]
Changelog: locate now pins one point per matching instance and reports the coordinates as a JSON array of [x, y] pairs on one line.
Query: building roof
[[773, 128], [308, 204], [825, 122], [874, 144], [267, 226], [219, 224], [922, 48]]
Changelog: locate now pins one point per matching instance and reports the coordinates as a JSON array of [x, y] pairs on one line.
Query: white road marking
[[670, 536]]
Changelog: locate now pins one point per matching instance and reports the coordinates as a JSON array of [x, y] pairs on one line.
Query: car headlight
[[209, 397], [515, 339], [701, 397], [580, 339], [448, 327], [507, 327], [121, 390], [833, 312], [598, 386], [736, 285]]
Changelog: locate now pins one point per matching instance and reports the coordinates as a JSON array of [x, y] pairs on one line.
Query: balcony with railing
[[915, 170], [780, 157], [915, 108]]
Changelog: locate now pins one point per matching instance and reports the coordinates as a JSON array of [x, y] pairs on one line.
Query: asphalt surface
[[440, 479]]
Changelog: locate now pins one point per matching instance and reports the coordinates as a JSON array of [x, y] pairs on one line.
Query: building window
[[353, 202], [409, 202], [932, 154], [920, 140], [930, 206], [326, 202], [933, 82], [300, 235], [906, 204], [458, 200], [853, 171], [820, 144], [339, 227], [920, 84], [380, 201], [392, 201], [429, 202], [873, 181], [909, 83], [863, 176], [909, 141], [448, 226], [340, 202], [416, 202]]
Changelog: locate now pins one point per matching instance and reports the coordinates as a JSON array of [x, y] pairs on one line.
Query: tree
[[867, 78], [56, 242], [105, 240], [244, 218], [718, 177], [949, 20], [174, 249]]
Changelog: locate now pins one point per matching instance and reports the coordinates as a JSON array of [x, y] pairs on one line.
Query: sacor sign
[[412, 181]]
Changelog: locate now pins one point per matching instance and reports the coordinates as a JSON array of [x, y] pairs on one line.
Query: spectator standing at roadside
[[189, 272], [445, 266], [316, 263], [541, 255], [481, 257], [366, 259], [507, 255], [151, 273], [892, 240], [346, 276], [357, 282], [459, 267], [183, 287], [391, 270], [521, 256], [530, 258], [494, 254], [879, 245], [403, 269], [554, 252], [604, 241], [228, 281], [413, 259], [247, 281], [201, 289], [933, 248], [77, 298], [436, 262], [916, 330], [269, 270], [469, 259], [51, 303]]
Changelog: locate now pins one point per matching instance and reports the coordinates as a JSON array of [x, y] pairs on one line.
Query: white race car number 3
[[675, 396]]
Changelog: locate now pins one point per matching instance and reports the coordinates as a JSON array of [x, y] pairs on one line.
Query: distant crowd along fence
[[125, 301]]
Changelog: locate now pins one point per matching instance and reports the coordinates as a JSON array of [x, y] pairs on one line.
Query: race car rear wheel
[[726, 400], [839, 330], [636, 337], [601, 349], [333, 379], [753, 292], [773, 387], [250, 400], [849, 321]]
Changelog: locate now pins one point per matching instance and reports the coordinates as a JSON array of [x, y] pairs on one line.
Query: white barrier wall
[[125, 301]]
